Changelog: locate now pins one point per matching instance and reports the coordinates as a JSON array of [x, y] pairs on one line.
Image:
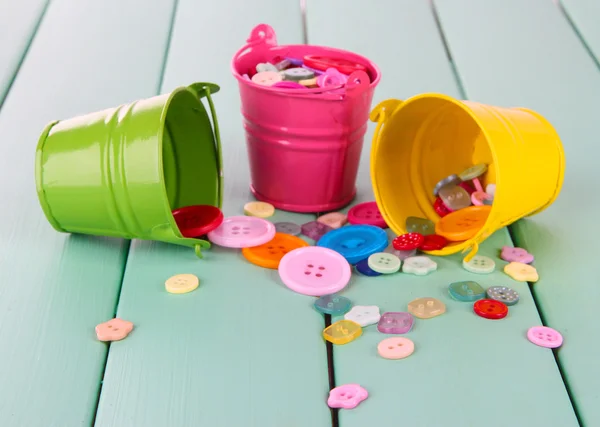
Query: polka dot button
[[545, 337], [480, 264], [426, 308], [197, 220], [366, 213], [268, 255], [395, 348], [314, 271], [181, 283], [384, 263], [259, 209], [490, 309], [408, 241], [288, 228], [503, 294], [242, 232]]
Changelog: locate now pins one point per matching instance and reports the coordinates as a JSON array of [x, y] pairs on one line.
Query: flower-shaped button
[[447, 181], [545, 337], [287, 228], [490, 309], [503, 294], [419, 225], [366, 213], [395, 323], [395, 348], [181, 283], [463, 224], [455, 197], [480, 264], [511, 254], [333, 219], [242, 232], [521, 272], [332, 304], [113, 330], [363, 268], [426, 308], [364, 315], [346, 396], [466, 291], [314, 271], [408, 241], [259, 209], [355, 242], [268, 255], [331, 78], [315, 230], [267, 78], [342, 332], [197, 220], [419, 265], [433, 242], [384, 263]]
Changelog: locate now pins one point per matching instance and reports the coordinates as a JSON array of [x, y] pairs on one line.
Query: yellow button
[[259, 209], [521, 272], [426, 308], [463, 224], [181, 284], [269, 255], [342, 332]]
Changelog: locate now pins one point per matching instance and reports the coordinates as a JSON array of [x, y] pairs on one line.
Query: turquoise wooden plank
[[541, 64], [585, 14], [242, 349], [18, 23], [55, 288], [464, 367]]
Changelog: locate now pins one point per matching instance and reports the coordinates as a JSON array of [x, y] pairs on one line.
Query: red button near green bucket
[[197, 220]]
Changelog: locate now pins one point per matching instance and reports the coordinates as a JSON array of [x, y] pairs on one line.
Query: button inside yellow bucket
[[422, 140]]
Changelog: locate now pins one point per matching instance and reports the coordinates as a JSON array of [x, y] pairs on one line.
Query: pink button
[[242, 232], [544, 337], [395, 348], [347, 396], [314, 270], [366, 213]]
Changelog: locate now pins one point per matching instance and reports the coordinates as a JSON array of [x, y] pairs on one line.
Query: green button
[[480, 264], [419, 225], [384, 263]]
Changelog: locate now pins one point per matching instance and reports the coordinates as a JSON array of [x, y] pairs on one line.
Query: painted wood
[[241, 349], [541, 64], [585, 15], [55, 288], [464, 367]]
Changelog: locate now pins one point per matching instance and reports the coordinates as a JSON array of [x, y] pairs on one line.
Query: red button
[[322, 63], [440, 207], [197, 220], [408, 241], [467, 187], [490, 309], [433, 242]]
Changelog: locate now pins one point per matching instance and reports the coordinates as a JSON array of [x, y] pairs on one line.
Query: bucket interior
[[190, 168], [426, 141]]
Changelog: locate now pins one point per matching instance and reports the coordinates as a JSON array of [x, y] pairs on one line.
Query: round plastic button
[[322, 63], [259, 209], [242, 232], [449, 180], [545, 337], [197, 220], [314, 271], [363, 268], [433, 242], [267, 78], [455, 197], [384, 263], [288, 228], [490, 309], [395, 348], [366, 213], [473, 172], [268, 255], [297, 74], [408, 241], [181, 284], [440, 208], [463, 224], [503, 294], [332, 304], [355, 242], [480, 264]]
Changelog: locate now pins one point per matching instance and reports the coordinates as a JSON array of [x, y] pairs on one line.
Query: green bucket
[[122, 171]]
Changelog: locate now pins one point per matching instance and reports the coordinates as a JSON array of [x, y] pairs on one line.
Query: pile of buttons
[[309, 72]]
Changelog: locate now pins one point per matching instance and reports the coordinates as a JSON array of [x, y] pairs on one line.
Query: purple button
[[395, 323], [315, 230]]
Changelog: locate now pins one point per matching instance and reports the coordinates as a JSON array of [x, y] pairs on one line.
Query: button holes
[[115, 329], [236, 232], [235, 228], [307, 273], [390, 348], [246, 232], [109, 326], [269, 247], [369, 212], [281, 247], [321, 267], [246, 228], [319, 275], [272, 252], [399, 344], [350, 396]]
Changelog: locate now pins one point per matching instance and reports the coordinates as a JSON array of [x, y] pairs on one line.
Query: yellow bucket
[[426, 138]]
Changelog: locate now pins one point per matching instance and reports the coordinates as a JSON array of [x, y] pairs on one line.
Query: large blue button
[[355, 242]]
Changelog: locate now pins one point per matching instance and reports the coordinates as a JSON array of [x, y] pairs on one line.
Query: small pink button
[[395, 348], [366, 213], [314, 270], [242, 232], [114, 330], [477, 197], [545, 337], [511, 254], [347, 396]]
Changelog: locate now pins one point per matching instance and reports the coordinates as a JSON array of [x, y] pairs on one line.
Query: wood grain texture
[[241, 350], [585, 15], [541, 64], [55, 288], [18, 23], [461, 361]]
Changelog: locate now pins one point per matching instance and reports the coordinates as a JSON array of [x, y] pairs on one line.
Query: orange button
[[463, 224], [269, 254]]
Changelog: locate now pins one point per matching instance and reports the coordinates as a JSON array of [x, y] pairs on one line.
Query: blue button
[[363, 268], [466, 291], [355, 242], [333, 304]]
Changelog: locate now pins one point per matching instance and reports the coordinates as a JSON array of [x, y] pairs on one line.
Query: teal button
[[466, 291], [332, 304]]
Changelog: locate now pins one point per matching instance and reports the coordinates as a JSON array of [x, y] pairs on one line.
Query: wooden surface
[[243, 350]]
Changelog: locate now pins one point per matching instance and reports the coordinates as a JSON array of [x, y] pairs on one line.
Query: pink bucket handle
[[358, 82], [261, 39]]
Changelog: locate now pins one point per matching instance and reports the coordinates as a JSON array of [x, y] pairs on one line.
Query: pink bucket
[[304, 145]]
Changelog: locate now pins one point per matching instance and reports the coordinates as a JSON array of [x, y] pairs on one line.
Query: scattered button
[[419, 225], [366, 213], [355, 242], [197, 220], [242, 232], [259, 209], [364, 315], [440, 208], [331, 78], [433, 242], [288, 228], [419, 265], [503, 294], [267, 78], [268, 255], [521, 272], [463, 224], [466, 291], [402, 255], [545, 336], [490, 309], [426, 308], [181, 283], [342, 332], [363, 268], [473, 172], [332, 304], [395, 323], [395, 348], [511, 254], [267, 66], [315, 230], [408, 241], [333, 219], [455, 197], [346, 396], [314, 271], [384, 263], [297, 74], [480, 264], [113, 330]]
